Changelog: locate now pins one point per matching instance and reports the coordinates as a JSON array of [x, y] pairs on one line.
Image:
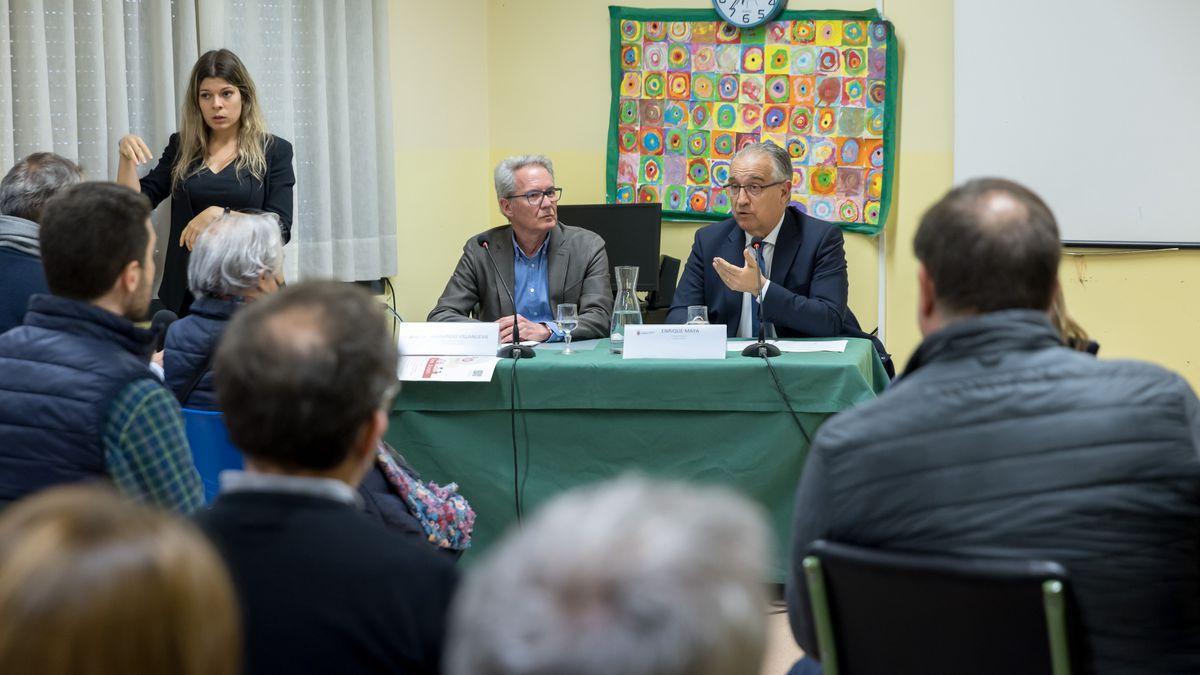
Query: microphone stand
[[516, 350], [761, 348]]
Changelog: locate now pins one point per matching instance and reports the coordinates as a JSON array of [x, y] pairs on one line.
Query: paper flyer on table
[[447, 368]]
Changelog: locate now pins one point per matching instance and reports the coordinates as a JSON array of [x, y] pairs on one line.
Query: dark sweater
[[325, 590]]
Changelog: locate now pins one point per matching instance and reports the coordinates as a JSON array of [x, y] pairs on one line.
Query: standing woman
[[221, 158]]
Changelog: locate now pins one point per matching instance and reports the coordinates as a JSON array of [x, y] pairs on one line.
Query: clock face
[[748, 13]]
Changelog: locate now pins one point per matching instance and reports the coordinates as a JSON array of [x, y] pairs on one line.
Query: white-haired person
[[546, 263], [238, 259], [629, 577]]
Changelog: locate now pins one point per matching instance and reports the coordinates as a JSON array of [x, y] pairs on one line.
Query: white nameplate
[[675, 342], [448, 339]]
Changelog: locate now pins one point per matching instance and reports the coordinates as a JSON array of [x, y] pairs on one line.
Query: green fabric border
[[616, 13]]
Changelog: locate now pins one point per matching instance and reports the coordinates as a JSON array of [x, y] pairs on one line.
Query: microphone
[[760, 348], [158, 325], [516, 350], [393, 313]]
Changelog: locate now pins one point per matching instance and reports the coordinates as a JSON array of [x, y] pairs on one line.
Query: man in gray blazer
[[544, 262]]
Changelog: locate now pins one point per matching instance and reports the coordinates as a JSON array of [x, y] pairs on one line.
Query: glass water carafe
[[626, 311]]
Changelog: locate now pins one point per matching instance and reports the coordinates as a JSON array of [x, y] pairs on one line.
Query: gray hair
[[235, 250], [780, 159], [628, 577], [506, 172], [33, 181]]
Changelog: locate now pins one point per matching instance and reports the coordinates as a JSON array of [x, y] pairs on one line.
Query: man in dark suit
[[305, 377], [544, 262], [800, 284]]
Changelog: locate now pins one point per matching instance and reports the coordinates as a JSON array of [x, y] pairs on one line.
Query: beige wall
[[544, 66], [442, 148]]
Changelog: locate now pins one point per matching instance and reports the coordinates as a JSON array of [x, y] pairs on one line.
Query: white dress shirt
[[745, 329]]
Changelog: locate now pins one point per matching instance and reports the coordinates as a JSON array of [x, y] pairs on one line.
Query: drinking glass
[[697, 315], [568, 319]]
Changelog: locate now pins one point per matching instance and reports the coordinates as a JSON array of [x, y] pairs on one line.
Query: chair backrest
[[882, 612], [211, 450]]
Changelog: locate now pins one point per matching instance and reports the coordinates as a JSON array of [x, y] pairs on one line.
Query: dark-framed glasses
[[753, 189], [535, 197]]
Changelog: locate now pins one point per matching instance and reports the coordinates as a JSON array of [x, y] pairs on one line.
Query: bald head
[[299, 372], [988, 245]]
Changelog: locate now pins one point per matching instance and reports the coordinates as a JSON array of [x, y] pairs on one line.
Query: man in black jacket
[[998, 441], [305, 377]]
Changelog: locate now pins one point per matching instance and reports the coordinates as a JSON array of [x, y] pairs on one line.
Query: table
[[591, 415]]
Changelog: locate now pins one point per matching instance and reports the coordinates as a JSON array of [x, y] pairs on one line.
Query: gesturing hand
[[198, 225], [746, 279], [134, 149]]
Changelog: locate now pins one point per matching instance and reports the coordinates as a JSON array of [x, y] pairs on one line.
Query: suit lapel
[[503, 247], [786, 247], [731, 301], [558, 259]]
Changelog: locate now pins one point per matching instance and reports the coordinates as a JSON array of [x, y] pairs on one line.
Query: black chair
[[887, 613]]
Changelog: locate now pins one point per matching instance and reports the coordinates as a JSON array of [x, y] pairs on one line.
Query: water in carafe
[[626, 311]]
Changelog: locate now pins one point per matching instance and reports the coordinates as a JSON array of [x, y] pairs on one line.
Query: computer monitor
[[631, 234]]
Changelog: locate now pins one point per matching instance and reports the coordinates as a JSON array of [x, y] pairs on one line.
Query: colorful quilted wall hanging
[[690, 90]]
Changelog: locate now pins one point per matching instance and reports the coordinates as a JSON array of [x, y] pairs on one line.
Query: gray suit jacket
[[577, 266]]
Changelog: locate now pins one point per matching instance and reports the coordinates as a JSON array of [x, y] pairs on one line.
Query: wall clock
[[748, 13]]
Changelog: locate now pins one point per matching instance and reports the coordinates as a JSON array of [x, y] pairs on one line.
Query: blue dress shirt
[[532, 288]]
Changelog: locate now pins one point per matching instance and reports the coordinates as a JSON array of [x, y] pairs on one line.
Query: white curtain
[[76, 75]]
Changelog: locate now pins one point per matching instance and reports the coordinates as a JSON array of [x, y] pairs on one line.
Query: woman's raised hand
[[134, 149]]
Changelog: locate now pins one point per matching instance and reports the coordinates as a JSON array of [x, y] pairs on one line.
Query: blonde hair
[[91, 584], [1073, 335], [252, 135]]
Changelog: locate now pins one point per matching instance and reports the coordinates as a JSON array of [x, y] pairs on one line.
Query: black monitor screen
[[631, 234]]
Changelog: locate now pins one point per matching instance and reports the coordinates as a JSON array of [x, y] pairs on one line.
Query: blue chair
[[211, 450]]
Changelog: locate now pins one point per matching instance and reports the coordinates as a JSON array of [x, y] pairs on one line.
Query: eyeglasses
[[752, 190], [535, 197]]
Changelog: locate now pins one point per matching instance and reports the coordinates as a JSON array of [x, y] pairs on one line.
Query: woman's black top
[[226, 188]]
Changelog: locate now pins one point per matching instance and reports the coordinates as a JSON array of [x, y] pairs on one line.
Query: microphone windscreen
[[158, 325], [482, 240]]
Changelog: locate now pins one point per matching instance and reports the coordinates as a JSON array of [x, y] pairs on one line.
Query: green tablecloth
[[589, 416]]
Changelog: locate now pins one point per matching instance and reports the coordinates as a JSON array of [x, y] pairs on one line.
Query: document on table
[[447, 368], [795, 347]]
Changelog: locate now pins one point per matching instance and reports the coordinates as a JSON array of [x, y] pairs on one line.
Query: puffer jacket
[[1000, 442], [189, 347]]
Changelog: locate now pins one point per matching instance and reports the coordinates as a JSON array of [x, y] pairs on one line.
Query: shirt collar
[[325, 488], [770, 238], [521, 252]]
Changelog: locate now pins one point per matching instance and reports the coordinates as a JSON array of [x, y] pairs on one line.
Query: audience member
[[91, 584], [546, 263], [23, 192], [629, 577], [77, 399], [237, 259], [305, 377], [998, 441]]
